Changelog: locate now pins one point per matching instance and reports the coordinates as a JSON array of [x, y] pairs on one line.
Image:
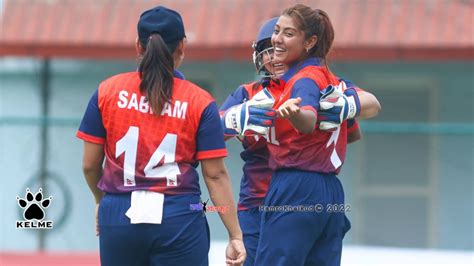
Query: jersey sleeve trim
[[210, 154], [90, 138]]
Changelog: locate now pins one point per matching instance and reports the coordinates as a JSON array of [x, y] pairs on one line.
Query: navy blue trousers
[[311, 237], [181, 239]]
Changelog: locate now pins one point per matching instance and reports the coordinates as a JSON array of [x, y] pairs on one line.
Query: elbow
[[373, 111], [216, 175], [371, 107], [376, 109], [89, 168], [307, 129], [214, 170]]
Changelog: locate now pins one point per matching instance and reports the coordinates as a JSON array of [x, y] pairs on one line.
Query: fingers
[[282, 113], [331, 92], [233, 262], [261, 112], [335, 110], [328, 126], [325, 105], [327, 91], [289, 108], [343, 86], [288, 111], [295, 101], [333, 117], [263, 121], [240, 259], [235, 252]]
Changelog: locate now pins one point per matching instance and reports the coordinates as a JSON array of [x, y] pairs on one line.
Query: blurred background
[[409, 181]]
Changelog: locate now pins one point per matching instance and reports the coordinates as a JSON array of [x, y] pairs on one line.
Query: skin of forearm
[[304, 121], [369, 105], [92, 178], [92, 160], [220, 191]]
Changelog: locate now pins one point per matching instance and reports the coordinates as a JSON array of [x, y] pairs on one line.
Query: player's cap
[[161, 20], [265, 33]]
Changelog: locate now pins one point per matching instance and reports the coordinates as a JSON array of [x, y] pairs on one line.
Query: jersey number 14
[[128, 145]]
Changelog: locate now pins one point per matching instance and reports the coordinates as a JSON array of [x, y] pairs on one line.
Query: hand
[[235, 252], [289, 108], [337, 104], [97, 219], [252, 117]]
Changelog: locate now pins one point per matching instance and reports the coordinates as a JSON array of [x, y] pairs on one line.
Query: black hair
[[156, 71]]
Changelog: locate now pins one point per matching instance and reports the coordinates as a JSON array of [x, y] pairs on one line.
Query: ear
[[178, 54], [310, 42], [180, 48], [138, 46]]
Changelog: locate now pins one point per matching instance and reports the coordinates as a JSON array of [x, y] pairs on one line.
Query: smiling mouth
[[279, 50]]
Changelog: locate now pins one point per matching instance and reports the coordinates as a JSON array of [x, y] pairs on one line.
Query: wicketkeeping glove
[[250, 118], [337, 104]]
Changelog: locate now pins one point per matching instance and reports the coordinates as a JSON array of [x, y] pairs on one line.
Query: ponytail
[[325, 33], [156, 71]]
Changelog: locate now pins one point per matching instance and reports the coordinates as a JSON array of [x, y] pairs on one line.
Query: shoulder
[[310, 72], [187, 89], [118, 80], [251, 88], [320, 75]]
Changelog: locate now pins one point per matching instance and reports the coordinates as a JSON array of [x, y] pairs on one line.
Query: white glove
[[337, 103], [252, 117]]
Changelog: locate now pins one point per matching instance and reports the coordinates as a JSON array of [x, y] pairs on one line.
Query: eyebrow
[[287, 28]]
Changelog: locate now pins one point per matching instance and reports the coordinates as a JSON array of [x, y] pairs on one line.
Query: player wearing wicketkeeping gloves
[[256, 173], [252, 117], [153, 128], [306, 159]]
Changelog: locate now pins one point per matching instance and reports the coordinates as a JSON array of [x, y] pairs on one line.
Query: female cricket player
[[256, 172], [153, 128], [306, 159]]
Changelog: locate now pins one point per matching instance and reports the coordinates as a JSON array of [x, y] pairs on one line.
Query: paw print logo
[[34, 205]]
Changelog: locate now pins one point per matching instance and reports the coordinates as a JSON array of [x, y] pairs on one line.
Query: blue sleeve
[[92, 121], [239, 96], [308, 91], [210, 137]]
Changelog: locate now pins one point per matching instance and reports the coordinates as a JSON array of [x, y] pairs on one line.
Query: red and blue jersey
[[146, 151], [319, 151], [256, 173]]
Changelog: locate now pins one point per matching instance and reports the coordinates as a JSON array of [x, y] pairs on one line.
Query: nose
[[276, 38]]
